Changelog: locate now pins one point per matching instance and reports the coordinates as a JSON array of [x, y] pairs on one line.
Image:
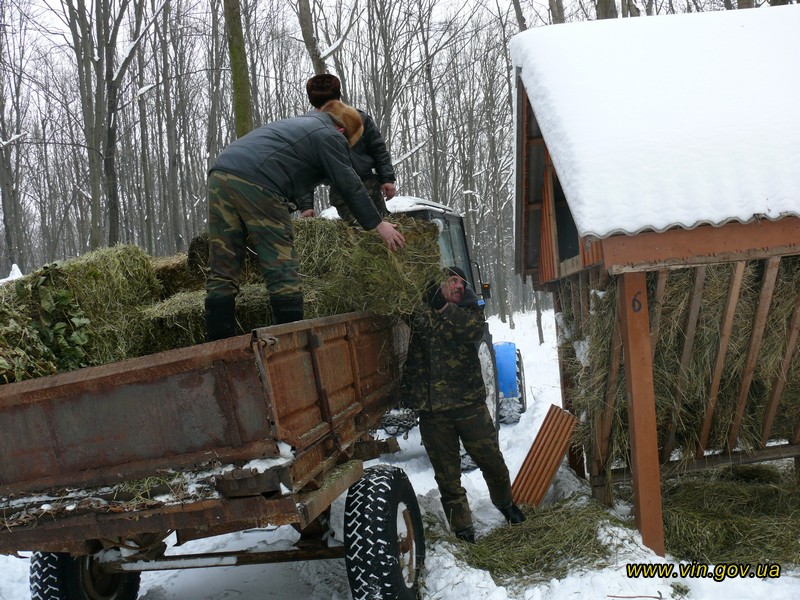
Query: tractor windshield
[[453, 246]]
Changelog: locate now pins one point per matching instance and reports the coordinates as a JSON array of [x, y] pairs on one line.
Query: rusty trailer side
[[316, 386]]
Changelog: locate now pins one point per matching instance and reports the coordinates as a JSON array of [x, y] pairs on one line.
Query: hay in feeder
[[682, 397]]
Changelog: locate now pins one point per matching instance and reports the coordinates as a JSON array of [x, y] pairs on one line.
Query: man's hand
[[309, 212], [435, 297], [389, 190], [393, 239]]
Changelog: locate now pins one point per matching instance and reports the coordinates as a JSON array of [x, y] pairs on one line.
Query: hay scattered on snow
[[553, 541]]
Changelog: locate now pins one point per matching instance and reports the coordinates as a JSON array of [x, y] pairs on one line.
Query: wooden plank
[[635, 323], [772, 453], [734, 289], [607, 418], [759, 324], [658, 305], [541, 462], [780, 380], [686, 355], [702, 245]]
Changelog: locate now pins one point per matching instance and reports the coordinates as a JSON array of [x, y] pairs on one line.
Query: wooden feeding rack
[[678, 347]]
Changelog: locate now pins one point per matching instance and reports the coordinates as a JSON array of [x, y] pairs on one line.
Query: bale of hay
[[96, 296], [179, 321], [346, 269], [175, 275], [118, 303]]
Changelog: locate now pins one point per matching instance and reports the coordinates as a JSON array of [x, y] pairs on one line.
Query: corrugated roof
[[670, 121]]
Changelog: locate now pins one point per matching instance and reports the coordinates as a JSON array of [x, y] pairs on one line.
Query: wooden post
[[635, 325]]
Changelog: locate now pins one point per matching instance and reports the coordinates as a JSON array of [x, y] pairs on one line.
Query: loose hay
[[553, 541]]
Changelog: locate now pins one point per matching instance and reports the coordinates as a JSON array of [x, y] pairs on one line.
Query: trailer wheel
[[383, 536], [57, 576]]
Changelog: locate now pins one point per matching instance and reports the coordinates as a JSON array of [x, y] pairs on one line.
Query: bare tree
[[12, 64], [239, 73]]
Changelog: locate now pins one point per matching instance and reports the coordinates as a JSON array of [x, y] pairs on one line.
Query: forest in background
[[111, 111]]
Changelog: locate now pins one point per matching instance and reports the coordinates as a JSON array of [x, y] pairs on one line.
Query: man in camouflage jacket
[[443, 381]]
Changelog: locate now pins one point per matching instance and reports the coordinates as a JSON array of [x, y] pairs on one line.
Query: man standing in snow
[[370, 157], [250, 190], [443, 381]]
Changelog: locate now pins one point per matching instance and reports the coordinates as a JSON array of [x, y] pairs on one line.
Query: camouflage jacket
[[442, 370]]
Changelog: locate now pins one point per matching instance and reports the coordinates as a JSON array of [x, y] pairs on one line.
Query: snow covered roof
[[680, 120]]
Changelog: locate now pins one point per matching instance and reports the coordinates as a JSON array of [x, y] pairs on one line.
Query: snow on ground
[[447, 578]]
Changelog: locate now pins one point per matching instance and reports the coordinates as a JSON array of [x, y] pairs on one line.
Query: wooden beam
[[759, 323], [575, 456], [780, 380], [702, 245], [658, 305], [686, 355], [715, 461], [734, 288], [635, 325]]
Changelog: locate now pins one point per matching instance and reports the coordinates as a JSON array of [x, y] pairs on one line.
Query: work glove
[[434, 296]]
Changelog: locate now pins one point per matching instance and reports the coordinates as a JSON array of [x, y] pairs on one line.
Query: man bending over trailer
[[250, 187]]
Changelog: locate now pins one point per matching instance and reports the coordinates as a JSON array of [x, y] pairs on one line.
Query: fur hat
[[347, 117], [323, 88]]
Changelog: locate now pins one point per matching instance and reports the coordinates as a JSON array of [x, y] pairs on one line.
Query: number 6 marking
[[636, 304]]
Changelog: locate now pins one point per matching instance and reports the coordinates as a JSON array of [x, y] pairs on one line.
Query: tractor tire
[[522, 400], [383, 536], [58, 576]]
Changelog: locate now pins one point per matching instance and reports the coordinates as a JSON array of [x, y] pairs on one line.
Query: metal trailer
[[100, 466]]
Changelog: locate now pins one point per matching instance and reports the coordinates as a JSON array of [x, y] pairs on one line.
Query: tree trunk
[[310, 40], [242, 109]]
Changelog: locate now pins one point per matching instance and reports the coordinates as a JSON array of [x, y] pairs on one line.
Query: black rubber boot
[[466, 535], [512, 513], [220, 318], [286, 309]]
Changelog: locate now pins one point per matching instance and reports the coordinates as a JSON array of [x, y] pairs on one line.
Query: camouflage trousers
[[373, 187], [441, 432], [238, 208]]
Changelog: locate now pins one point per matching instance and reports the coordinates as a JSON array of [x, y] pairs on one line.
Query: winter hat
[[347, 117], [450, 271], [322, 88]]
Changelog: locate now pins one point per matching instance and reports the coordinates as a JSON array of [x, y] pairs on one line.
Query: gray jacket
[[292, 156]]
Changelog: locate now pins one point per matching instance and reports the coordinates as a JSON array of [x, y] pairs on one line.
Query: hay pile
[[588, 365], [119, 303], [554, 540]]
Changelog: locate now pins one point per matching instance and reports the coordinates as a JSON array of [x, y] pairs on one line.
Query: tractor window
[[453, 246]]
